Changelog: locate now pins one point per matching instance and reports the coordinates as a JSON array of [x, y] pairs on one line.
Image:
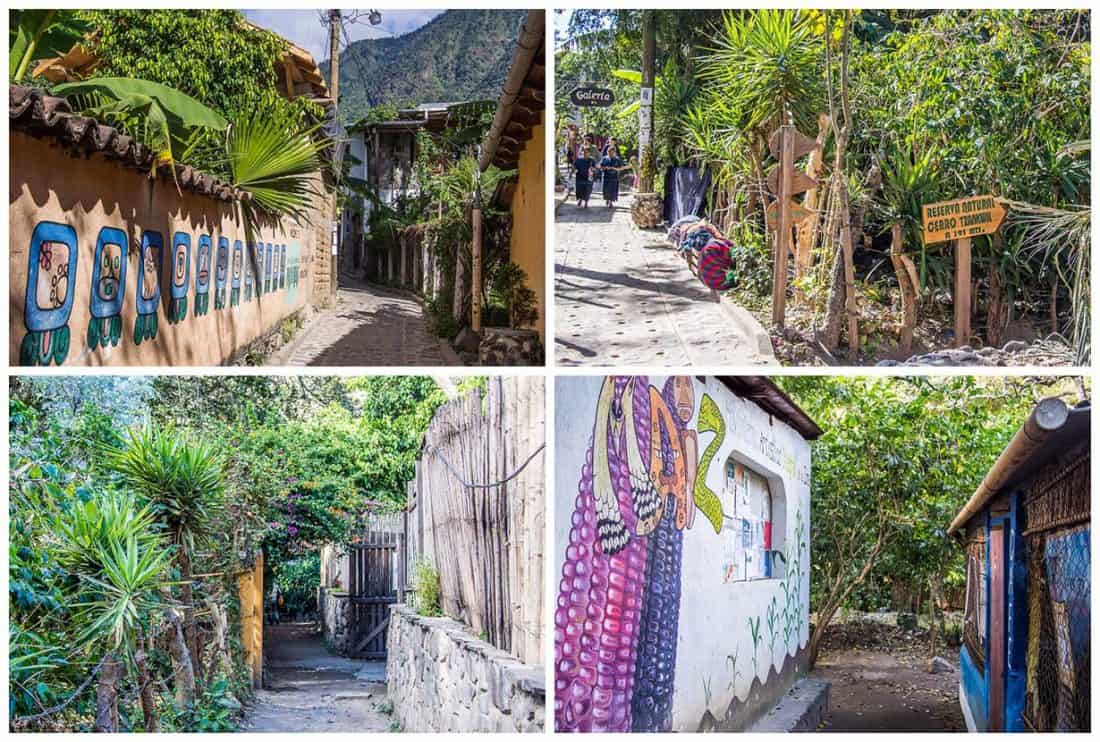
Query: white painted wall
[[714, 614]]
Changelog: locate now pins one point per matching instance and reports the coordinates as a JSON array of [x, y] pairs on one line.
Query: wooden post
[[783, 227], [475, 279], [250, 591], [645, 111], [848, 254], [962, 292]]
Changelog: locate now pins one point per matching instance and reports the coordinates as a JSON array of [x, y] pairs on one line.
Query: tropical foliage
[[128, 529], [899, 458], [913, 107]]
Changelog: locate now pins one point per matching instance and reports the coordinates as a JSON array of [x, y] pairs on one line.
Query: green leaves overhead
[[770, 63], [40, 34], [275, 160], [158, 116]]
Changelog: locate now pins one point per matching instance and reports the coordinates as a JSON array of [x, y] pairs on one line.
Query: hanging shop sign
[[961, 218], [590, 97]]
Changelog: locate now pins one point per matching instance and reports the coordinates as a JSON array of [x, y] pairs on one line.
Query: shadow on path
[[307, 689]]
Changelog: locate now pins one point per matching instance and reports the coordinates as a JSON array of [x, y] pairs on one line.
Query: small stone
[[1014, 346]]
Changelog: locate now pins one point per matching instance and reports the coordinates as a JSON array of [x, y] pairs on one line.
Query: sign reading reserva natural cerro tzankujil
[[964, 217]]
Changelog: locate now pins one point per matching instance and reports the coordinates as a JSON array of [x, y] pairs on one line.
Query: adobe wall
[[682, 605], [110, 267]]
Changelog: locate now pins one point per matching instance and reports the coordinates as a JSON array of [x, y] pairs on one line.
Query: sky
[[304, 28]]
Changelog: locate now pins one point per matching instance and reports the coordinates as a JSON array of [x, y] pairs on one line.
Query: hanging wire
[[434, 451]]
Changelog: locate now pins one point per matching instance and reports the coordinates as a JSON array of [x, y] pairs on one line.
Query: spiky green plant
[[275, 160], [909, 181], [770, 61], [182, 478]]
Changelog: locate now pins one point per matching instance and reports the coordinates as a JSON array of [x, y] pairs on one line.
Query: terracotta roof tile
[[37, 114]]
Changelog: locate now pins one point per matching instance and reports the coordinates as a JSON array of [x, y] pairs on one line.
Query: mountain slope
[[459, 55]]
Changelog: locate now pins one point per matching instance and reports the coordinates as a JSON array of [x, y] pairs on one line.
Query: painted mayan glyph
[[52, 289], [646, 495]]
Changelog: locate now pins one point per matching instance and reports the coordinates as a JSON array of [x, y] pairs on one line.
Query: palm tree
[[184, 482]]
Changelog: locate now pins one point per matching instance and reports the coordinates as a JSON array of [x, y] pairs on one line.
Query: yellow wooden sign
[[798, 211], [964, 217]]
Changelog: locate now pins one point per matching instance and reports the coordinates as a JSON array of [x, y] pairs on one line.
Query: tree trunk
[[1000, 308], [106, 701], [836, 301], [185, 669], [806, 231], [837, 599], [187, 598], [147, 688], [905, 271]]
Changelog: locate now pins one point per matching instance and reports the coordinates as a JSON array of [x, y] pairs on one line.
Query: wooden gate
[[372, 564]]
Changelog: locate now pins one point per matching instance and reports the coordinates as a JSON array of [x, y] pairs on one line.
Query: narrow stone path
[[623, 296], [309, 690], [370, 326]]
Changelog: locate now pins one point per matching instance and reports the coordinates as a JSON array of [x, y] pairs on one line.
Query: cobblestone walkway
[[622, 296], [369, 326]]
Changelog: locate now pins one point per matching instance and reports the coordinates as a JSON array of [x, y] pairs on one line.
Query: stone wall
[[336, 620], [441, 678]]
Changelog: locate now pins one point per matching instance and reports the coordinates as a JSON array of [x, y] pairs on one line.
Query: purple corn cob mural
[[655, 677], [599, 599]]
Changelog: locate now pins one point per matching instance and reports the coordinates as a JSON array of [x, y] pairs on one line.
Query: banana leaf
[[39, 34]]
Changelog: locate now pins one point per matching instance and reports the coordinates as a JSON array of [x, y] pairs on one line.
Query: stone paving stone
[[623, 297], [369, 326]]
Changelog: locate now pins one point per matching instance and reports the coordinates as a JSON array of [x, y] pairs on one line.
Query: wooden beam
[[783, 227], [962, 292]]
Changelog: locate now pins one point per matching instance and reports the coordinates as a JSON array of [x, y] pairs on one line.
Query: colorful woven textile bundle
[[696, 238], [676, 231], [716, 265]]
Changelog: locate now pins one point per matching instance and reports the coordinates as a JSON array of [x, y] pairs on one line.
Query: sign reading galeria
[[590, 97], [964, 217]]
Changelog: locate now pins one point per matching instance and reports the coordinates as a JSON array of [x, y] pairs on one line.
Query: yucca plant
[[87, 527], [909, 181], [184, 481], [120, 563], [771, 62]]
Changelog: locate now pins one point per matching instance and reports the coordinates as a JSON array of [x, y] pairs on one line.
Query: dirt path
[[624, 297], [887, 688], [309, 690], [369, 326]]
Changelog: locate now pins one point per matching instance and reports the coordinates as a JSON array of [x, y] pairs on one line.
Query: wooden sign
[[592, 97], [800, 182], [803, 145], [962, 218], [798, 212]]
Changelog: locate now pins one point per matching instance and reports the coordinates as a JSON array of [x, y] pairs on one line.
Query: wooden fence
[[486, 541]]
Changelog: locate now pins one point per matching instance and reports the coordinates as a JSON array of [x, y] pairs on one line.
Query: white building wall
[[717, 658]]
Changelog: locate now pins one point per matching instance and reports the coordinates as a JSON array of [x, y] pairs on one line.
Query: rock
[[1014, 346], [646, 210], [506, 347], [467, 340], [938, 665]]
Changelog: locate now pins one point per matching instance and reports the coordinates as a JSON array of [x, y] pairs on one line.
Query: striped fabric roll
[[716, 264]]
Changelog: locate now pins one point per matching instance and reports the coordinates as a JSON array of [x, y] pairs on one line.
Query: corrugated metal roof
[[35, 113]]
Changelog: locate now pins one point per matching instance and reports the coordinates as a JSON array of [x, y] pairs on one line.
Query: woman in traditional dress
[[611, 165]]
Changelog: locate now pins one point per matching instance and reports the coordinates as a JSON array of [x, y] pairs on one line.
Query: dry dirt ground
[[306, 689], [880, 681]]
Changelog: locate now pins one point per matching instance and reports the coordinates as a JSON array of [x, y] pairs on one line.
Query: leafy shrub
[[426, 598]]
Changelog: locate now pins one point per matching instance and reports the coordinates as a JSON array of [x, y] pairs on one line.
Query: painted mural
[[51, 278], [52, 274], [646, 497]]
